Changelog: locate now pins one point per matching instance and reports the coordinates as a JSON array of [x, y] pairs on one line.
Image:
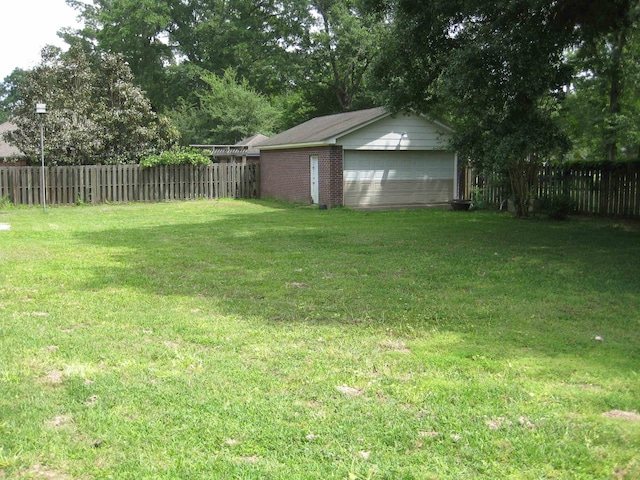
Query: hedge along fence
[[128, 183], [602, 189]]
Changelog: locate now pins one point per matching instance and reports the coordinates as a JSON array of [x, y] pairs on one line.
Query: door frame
[[314, 179]]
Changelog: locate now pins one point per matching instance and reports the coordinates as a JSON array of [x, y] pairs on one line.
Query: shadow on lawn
[[474, 274]]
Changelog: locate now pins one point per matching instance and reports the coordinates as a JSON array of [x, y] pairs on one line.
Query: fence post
[[15, 187]]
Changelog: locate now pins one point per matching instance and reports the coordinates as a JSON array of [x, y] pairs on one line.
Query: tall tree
[[602, 111], [227, 111], [342, 46], [95, 113], [9, 97], [323, 48], [496, 68], [256, 38], [136, 29]]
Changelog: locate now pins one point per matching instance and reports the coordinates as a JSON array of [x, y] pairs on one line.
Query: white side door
[[313, 169]]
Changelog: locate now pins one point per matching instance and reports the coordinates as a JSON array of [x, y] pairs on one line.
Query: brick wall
[[284, 174], [330, 171]]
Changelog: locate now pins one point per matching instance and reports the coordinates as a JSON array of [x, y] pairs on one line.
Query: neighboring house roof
[[7, 150], [324, 130], [251, 143]]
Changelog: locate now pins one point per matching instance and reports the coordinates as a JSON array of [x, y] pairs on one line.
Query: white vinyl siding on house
[[398, 133], [401, 178]]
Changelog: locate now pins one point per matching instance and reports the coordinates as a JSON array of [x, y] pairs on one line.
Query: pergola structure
[[241, 152], [225, 153]]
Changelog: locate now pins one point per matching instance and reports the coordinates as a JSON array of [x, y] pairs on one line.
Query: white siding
[[403, 132]]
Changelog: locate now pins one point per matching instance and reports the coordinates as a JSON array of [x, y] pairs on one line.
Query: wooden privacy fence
[[600, 189], [128, 183]]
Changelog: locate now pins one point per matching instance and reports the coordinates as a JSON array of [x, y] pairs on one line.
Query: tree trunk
[[615, 92], [523, 179]]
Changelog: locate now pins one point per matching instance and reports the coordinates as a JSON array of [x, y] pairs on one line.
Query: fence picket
[[603, 190], [125, 183]]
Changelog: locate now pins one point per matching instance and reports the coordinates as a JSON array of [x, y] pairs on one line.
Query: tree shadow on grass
[[502, 284]]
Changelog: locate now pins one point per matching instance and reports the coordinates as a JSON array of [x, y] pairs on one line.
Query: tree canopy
[[227, 111], [601, 113], [498, 71], [321, 48], [95, 113], [521, 81]]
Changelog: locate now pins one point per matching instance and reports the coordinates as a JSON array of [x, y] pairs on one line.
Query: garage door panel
[[397, 178], [402, 192]]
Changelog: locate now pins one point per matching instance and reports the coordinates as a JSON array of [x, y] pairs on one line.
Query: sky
[[26, 27]]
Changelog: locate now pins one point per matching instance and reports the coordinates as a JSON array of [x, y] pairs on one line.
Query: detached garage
[[362, 159]]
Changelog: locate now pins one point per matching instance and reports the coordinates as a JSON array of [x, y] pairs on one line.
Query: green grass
[[259, 340]]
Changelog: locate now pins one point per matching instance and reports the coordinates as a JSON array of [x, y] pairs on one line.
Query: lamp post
[[41, 110]]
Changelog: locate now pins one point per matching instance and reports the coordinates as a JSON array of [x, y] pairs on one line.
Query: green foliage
[[176, 156], [134, 29], [294, 107], [235, 110], [343, 44], [251, 340], [227, 110], [9, 96], [5, 202], [321, 50], [94, 112], [557, 207], [497, 69], [602, 111]]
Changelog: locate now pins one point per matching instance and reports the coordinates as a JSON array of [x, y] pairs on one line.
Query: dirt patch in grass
[[251, 459], [395, 346], [622, 415], [59, 421], [42, 472], [55, 377], [350, 391]]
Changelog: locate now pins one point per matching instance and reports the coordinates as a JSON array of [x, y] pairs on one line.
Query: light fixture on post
[[41, 110]]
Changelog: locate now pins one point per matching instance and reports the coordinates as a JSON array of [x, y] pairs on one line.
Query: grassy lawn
[[253, 340]]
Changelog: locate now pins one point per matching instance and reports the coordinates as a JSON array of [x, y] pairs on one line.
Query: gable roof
[[252, 140], [7, 150], [323, 130], [251, 144]]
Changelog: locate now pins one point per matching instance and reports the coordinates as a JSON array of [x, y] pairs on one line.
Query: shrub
[[557, 207], [176, 156], [5, 202]]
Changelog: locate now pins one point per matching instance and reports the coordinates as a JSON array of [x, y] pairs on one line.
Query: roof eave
[[324, 143], [362, 125]]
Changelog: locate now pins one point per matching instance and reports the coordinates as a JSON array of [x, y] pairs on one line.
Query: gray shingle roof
[[7, 150], [323, 130], [251, 143]]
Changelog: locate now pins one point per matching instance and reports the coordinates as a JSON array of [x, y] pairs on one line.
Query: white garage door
[[397, 178]]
